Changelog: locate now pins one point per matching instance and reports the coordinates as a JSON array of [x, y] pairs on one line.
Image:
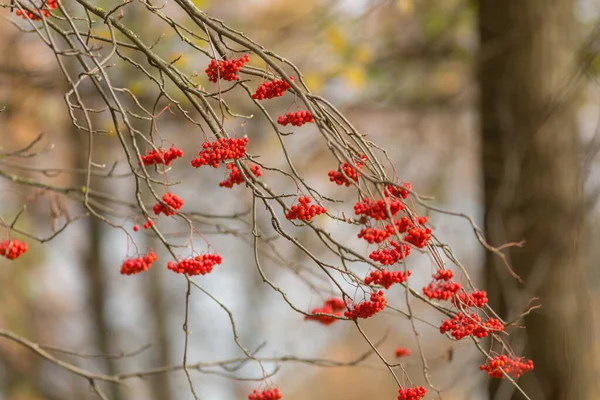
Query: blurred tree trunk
[[533, 190]]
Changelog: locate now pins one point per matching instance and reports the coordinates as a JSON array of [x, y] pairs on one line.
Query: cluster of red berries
[[226, 69], [374, 235], [305, 211], [235, 176], [333, 306], [476, 299], [271, 89], [298, 118], [462, 325], [51, 4], [376, 209], [369, 308], [391, 255], [398, 191], [269, 394], [170, 203], [443, 288], [402, 352], [214, 153], [12, 249], [350, 171], [162, 156], [418, 237], [147, 225], [137, 265], [199, 265], [513, 367], [413, 393], [386, 278]]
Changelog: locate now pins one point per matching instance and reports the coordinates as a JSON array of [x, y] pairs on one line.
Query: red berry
[[13, 249], [139, 264], [214, 153], [298, 118], [270, 89], [305, 211], [199, 265], [226, 69], [367, 309]]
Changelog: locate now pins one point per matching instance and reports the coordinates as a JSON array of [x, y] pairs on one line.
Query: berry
[[462, 325], [137, 265], [351, 171], [333, 306], [199, 265], [269, 394], [171, 202], [335, 303], [270, 89], [513, 367], [476, 299], [377, 209], [441, 290], [50, 4], [418, 237], [305, 211], [402, 352], [226, 69], [213, 153], [398, 191], [386, 278], [367, 309], [298, 118], [235, 176], [162, 156], [374, 235], [149, 224], [390, 255], [412, 393], [13, 249], [136, 228]]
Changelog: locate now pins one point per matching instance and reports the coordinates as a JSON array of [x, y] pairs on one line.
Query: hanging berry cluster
[[271, 89], [476, 299], [376, 209], [340, 178], [397, 191], [500, 366], [214, 153], [12, 249], [169, 205], [462, 325], [386, 278], [442, 288], [390, 255], [235, 176], [334, 306], [413, 393], [298, 118], [50, 5], [367, 309], [226, 69], [136, 265], [199, 265], [305, 211], [162, 156], [402, 352], [269, 394]]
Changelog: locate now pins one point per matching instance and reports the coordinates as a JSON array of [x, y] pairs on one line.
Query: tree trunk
[[533, 190]]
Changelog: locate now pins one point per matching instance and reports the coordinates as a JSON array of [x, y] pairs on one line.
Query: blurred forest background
[[409, 74]]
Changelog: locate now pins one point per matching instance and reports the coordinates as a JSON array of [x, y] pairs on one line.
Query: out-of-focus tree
[[533, 189]]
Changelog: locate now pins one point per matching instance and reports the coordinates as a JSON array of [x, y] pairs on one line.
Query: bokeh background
[[405, 72]]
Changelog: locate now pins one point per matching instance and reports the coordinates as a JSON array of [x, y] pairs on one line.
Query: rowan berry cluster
[[386, 278], [199, 265], [169, 205], [442, 288], [374, 235], [271, 89], [391, 255], [269, 394], [162, 156], [398, 191], [137, 265], [513, 367], [50, 4], [12, 249], [413, 393], [350, 171], [402, 352], [369, 308], [298, 118], [476, 299], [305, 211], [214, 153], [418, 237], [226, 69], [333, 306], [235, 176], [376, 209], [462, 325]]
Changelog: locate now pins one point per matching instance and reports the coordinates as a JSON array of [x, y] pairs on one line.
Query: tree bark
[[533, 190]]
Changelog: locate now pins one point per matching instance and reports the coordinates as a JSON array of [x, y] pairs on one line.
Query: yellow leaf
[[336, 38], [355, 75], [314, 81]]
